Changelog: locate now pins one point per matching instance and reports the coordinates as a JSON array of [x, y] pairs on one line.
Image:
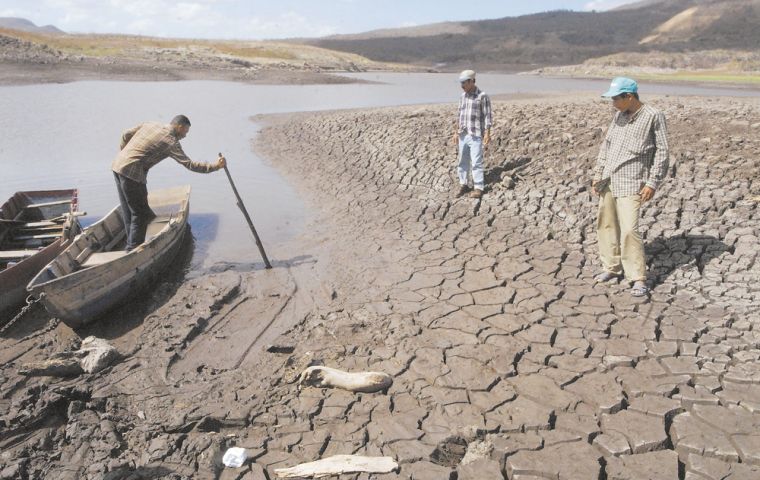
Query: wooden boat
[[35, 226], [94, 273]]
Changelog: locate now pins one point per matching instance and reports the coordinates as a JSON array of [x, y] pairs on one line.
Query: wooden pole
[[247, 218]]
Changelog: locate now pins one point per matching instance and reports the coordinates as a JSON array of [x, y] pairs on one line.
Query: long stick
[[247, 218]]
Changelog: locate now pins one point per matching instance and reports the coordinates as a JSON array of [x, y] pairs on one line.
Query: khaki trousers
[[620, 246]]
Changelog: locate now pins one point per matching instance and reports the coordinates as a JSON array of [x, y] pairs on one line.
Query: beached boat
[[94, 273], [35, 226]]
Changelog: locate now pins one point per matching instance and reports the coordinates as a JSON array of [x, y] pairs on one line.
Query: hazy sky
[[257, 19]]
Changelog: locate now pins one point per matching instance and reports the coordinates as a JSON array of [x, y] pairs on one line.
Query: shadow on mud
[[205, 231], [665, 255], [140, 473], [510, 167]]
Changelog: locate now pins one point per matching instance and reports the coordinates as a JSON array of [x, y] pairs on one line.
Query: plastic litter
[[234, 457]]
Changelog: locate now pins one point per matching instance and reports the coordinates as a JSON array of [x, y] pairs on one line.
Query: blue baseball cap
[[621, 85]]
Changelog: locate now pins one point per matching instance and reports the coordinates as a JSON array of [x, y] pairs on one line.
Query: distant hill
[[563, 37], [409, 32], [27, 26]]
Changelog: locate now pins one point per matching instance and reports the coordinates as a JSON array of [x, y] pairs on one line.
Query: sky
[[269, 19]]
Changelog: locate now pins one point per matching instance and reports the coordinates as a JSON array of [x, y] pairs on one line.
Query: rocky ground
[[507, 360]]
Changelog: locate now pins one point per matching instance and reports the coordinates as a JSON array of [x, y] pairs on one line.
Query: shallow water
[[63, 136]]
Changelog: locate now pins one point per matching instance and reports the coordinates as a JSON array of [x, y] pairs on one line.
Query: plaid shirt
[[474, 113], [634, 152], [145, 145]]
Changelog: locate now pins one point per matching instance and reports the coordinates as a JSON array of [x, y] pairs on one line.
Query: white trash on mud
[[234, 457]]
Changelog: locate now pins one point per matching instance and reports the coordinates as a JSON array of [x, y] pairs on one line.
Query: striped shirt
[[634, 153], [474, 113], [145, 145]]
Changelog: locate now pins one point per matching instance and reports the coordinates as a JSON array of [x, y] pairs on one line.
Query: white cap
[[467, 75]]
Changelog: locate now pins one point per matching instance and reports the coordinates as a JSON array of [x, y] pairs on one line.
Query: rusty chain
[[30, 302]]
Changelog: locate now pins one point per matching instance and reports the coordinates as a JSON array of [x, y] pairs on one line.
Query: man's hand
[[646, 194], [486, 138], [593, 187], [455, 138], [221, 162]]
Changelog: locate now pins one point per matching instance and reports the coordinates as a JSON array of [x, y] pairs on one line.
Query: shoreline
[[22, 73], [483, 312], [40, 74]]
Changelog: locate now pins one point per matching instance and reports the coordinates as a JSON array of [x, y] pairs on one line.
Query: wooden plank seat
[[7, 255], [155, 226], [16, 244], [99, 258], [52, 227], [41, 236], [46, 204], [39, 224]]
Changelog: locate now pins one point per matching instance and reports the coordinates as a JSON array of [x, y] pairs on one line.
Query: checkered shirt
[[634, 152], [474, 113], [145, 145]]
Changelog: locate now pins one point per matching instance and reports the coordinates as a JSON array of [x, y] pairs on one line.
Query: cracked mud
[[507, 360]]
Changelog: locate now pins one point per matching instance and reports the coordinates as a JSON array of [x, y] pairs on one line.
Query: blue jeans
[[471, 156], [135, 211]]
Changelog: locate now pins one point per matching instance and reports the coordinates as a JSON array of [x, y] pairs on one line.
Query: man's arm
[[127, 136], [179, 155], [601, 158], [661, 154], [457, 126], [486, 104]]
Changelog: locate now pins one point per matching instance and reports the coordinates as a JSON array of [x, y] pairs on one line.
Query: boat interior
[[28, 224], [100, 243]]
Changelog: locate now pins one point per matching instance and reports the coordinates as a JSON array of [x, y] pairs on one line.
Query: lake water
[[66, 135]]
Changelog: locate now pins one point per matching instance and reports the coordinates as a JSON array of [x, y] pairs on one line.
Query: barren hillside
[[566, 37]]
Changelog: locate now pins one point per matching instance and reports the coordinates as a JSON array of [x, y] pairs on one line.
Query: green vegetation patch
[[712, 77], [255, 51]]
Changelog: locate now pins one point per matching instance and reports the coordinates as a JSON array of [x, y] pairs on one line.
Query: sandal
[[639, 289], [605, 277]]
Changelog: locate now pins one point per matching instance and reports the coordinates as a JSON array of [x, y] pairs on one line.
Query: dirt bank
[[484, 313], [35, 58], [12, 73], [707, 67]]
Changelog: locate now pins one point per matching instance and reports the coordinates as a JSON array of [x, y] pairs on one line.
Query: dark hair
[[635, 95], [181, 120]]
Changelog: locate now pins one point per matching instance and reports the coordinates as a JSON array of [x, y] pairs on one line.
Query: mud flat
[[507, 361]]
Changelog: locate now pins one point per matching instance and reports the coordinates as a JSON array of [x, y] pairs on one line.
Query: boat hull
[[83, 295], [14, 278]]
